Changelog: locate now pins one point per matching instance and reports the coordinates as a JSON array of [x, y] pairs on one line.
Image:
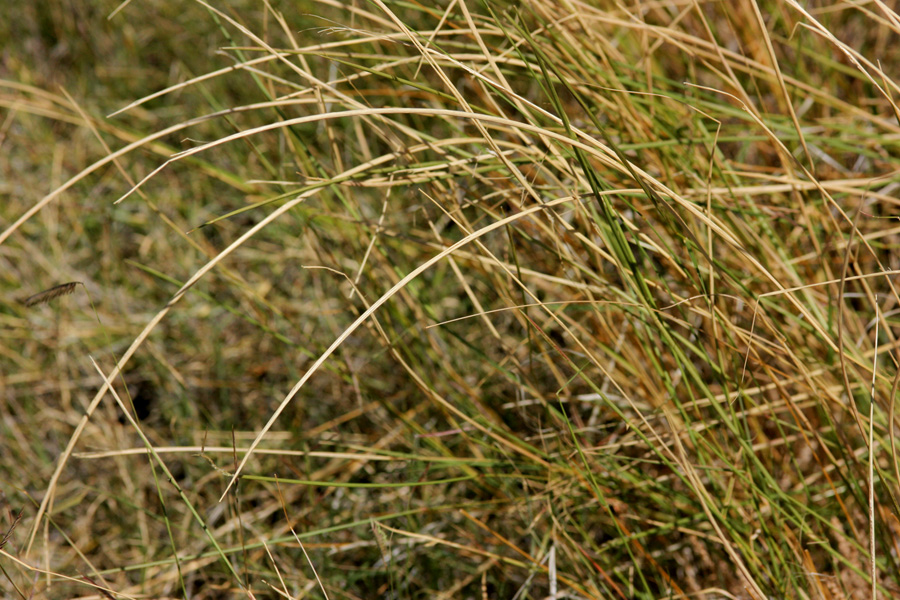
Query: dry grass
[[481, 301]]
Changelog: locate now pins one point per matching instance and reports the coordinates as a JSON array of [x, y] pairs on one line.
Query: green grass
[[485, 300]]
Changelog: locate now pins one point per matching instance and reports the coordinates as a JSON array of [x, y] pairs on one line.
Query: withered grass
[[478, 300]]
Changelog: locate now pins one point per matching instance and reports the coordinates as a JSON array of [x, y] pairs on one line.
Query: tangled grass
[[478, 300]]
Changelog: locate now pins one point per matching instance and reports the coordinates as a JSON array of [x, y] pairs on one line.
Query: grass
[[478, 300]]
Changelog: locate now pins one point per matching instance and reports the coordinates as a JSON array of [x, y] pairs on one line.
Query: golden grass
[[584, 300]]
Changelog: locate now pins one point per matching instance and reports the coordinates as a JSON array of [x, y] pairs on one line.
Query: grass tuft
[[480, 300]]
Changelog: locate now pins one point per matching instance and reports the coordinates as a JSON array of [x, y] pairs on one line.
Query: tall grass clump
[[512, 300]]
